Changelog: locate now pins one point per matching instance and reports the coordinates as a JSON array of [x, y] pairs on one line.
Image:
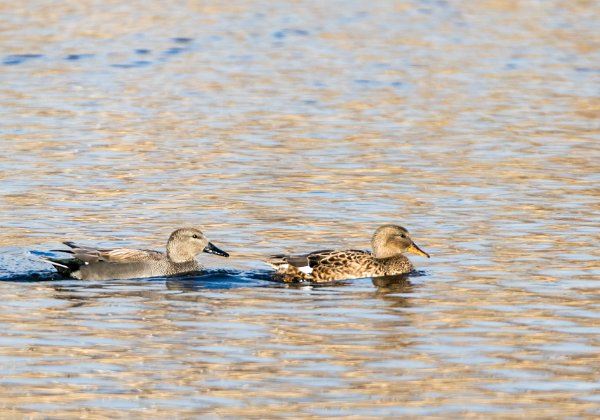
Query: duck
[[388, 244], [90, 263]]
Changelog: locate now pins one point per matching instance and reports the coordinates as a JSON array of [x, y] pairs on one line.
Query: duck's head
[[184, 244], [391, 240]]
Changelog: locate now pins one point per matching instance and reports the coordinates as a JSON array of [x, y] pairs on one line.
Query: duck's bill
[[416, 250], [211, 249]]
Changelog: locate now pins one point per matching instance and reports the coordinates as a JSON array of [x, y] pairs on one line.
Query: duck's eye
[[195, 236], [403, 235]]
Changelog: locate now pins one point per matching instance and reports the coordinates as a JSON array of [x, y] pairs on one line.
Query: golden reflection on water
[[263, 350], [292, 127]]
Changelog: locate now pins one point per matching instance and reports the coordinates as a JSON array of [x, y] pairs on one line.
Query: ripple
[[296, 127]]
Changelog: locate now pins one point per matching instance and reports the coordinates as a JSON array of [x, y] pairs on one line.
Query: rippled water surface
[[295, 126]]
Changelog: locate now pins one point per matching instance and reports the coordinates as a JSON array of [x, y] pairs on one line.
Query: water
[[293, 127]]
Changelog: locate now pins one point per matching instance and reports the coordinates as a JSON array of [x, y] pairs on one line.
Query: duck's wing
[[298, 260], [316, 258], [117, 255], [326, 265]]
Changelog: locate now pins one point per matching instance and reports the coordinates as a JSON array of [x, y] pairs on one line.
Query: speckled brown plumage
[[388, 242]]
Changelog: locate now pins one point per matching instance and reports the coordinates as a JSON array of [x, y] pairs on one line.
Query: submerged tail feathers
[[65, 266], [276, 260]]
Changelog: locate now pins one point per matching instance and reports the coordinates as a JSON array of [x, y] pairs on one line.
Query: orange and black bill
[[416, 250]]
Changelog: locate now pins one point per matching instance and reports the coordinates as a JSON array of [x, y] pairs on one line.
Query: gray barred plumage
[[88, 263]]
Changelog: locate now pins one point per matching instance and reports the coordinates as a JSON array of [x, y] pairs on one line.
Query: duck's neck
[[384, 252], [177, 256], [383, 249]]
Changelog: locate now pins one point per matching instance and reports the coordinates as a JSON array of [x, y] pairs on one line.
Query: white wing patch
[[306, 269]]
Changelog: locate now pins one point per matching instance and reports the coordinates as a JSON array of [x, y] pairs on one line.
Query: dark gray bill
[[211, 249]]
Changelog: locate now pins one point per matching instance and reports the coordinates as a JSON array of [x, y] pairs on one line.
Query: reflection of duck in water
[[388, 243], [104, 264]]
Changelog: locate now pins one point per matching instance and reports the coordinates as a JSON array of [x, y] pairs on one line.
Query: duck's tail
[[64, 266], [279, 261]]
